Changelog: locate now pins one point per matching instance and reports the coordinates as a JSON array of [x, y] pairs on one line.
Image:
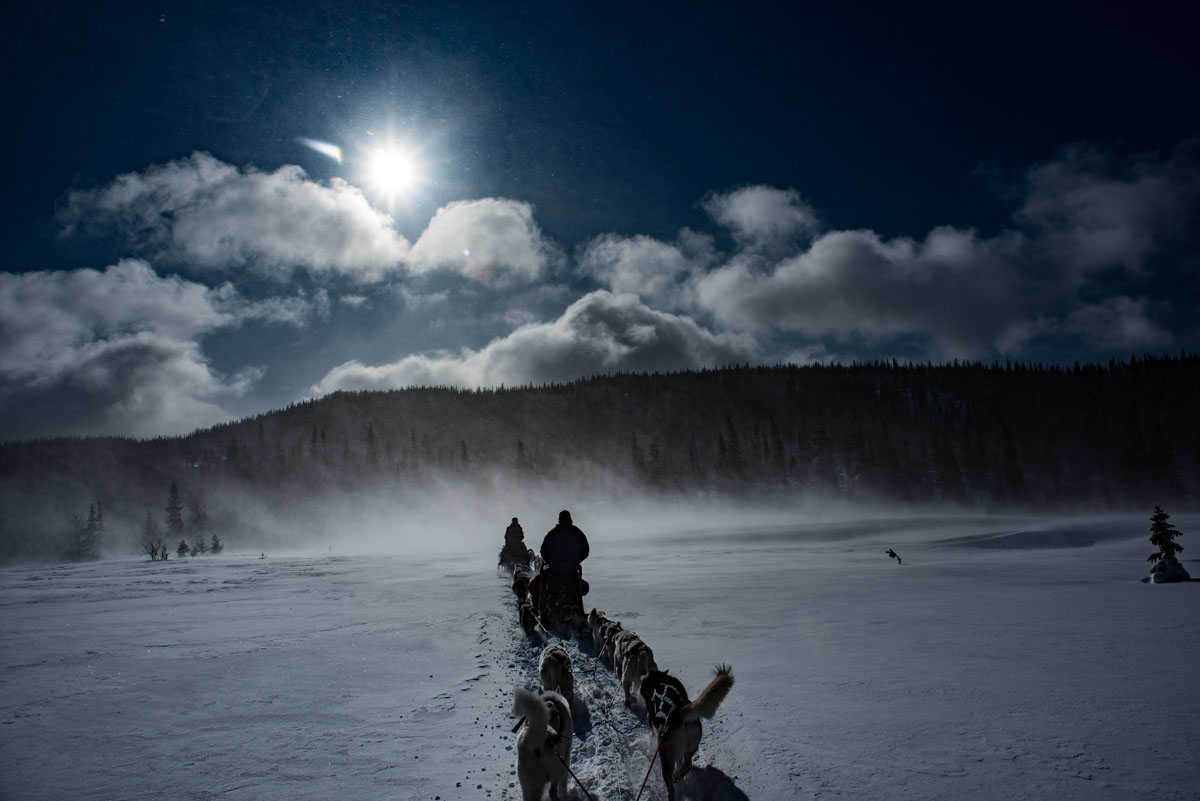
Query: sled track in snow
[[612, 746]]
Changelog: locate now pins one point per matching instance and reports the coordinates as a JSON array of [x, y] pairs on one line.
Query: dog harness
[[664, 696]]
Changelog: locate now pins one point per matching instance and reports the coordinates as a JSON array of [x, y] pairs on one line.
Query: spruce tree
[[217, 546], [1162, 536], [183, 549]]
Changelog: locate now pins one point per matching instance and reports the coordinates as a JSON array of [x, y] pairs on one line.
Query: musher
[[563, 549]]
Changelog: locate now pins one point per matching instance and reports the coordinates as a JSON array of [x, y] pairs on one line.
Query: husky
[[676, 720], [600, 625], [529, 621], [638, 665], [544, 744], [520, 585], [633, 662], [555, 668], [608, 634]]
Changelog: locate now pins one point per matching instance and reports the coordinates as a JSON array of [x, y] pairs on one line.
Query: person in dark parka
[[514, 551], [514, 537], [565, 546]]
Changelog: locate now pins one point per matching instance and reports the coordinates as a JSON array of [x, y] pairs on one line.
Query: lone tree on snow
[[1166, 567], [1162, 536]]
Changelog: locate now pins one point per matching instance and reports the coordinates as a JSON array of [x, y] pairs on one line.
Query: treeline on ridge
[[1110, 435]]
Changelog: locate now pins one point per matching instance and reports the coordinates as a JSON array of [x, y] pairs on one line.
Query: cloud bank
[[204, 213], [599, 333], [118, 350]]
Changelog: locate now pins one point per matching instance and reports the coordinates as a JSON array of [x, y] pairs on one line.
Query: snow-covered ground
[[1005, 659]]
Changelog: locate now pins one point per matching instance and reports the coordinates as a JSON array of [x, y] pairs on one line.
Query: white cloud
[[121, 346], [1086, 218], [493, 240], [353, 301], [204, 213], [959, 290], [601, 332], [650, 268], [763, 216]]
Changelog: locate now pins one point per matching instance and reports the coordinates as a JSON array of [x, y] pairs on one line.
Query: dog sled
[[558, 600]]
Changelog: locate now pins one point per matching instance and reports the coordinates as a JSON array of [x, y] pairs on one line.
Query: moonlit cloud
[[962, 294], [763, 216], [493, 240], [121, 347], [655, 271], [206, 214], [601, 332]]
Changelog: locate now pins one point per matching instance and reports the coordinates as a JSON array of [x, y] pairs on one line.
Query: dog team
[[546, 728]]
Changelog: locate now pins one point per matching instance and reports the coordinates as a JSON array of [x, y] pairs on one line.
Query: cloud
[[654, 270], [1119, 323], [120, 349], [493, 240], [601, 332], [204, 213], [960, 291], [763, 216], [962, 294], [1087, 215]]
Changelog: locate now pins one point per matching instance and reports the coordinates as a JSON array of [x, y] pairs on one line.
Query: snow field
[[1007, 658]]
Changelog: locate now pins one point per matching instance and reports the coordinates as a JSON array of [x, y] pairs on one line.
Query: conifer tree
[[183, 549], [1162, 536], [217, 546]]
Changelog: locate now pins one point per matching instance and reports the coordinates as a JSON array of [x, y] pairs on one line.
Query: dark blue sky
[[622, 119]]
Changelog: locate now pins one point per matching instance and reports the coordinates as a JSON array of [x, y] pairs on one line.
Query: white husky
[[555, 669], [544, 744]]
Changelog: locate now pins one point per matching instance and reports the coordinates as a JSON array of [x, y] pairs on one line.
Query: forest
[[977, 436]]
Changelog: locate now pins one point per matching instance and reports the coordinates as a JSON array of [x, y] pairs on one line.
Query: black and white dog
[[544, 744], [676, 720]]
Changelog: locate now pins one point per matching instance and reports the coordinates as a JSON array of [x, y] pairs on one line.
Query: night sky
[[537, 192]]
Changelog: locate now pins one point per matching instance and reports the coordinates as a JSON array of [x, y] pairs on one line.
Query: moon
[[393, 171]]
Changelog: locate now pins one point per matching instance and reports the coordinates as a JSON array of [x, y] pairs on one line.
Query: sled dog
[[608, 633], [520, 585], [632, 660], [529, 621], [555, 667], [544, 744], [676, 720]]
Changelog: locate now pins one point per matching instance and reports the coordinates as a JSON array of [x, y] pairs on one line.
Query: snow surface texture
[[985, 667]]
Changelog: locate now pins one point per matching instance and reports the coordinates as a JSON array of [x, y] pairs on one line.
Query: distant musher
[[514, 552]]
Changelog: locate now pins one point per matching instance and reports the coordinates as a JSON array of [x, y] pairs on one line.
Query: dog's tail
[[530, 706], [706, 703]]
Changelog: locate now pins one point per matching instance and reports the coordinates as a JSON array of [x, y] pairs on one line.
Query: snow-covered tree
[[1162, 536], [183, 549], [217, 546]]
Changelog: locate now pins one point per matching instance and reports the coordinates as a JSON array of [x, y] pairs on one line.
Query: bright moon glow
[[394, 172]]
